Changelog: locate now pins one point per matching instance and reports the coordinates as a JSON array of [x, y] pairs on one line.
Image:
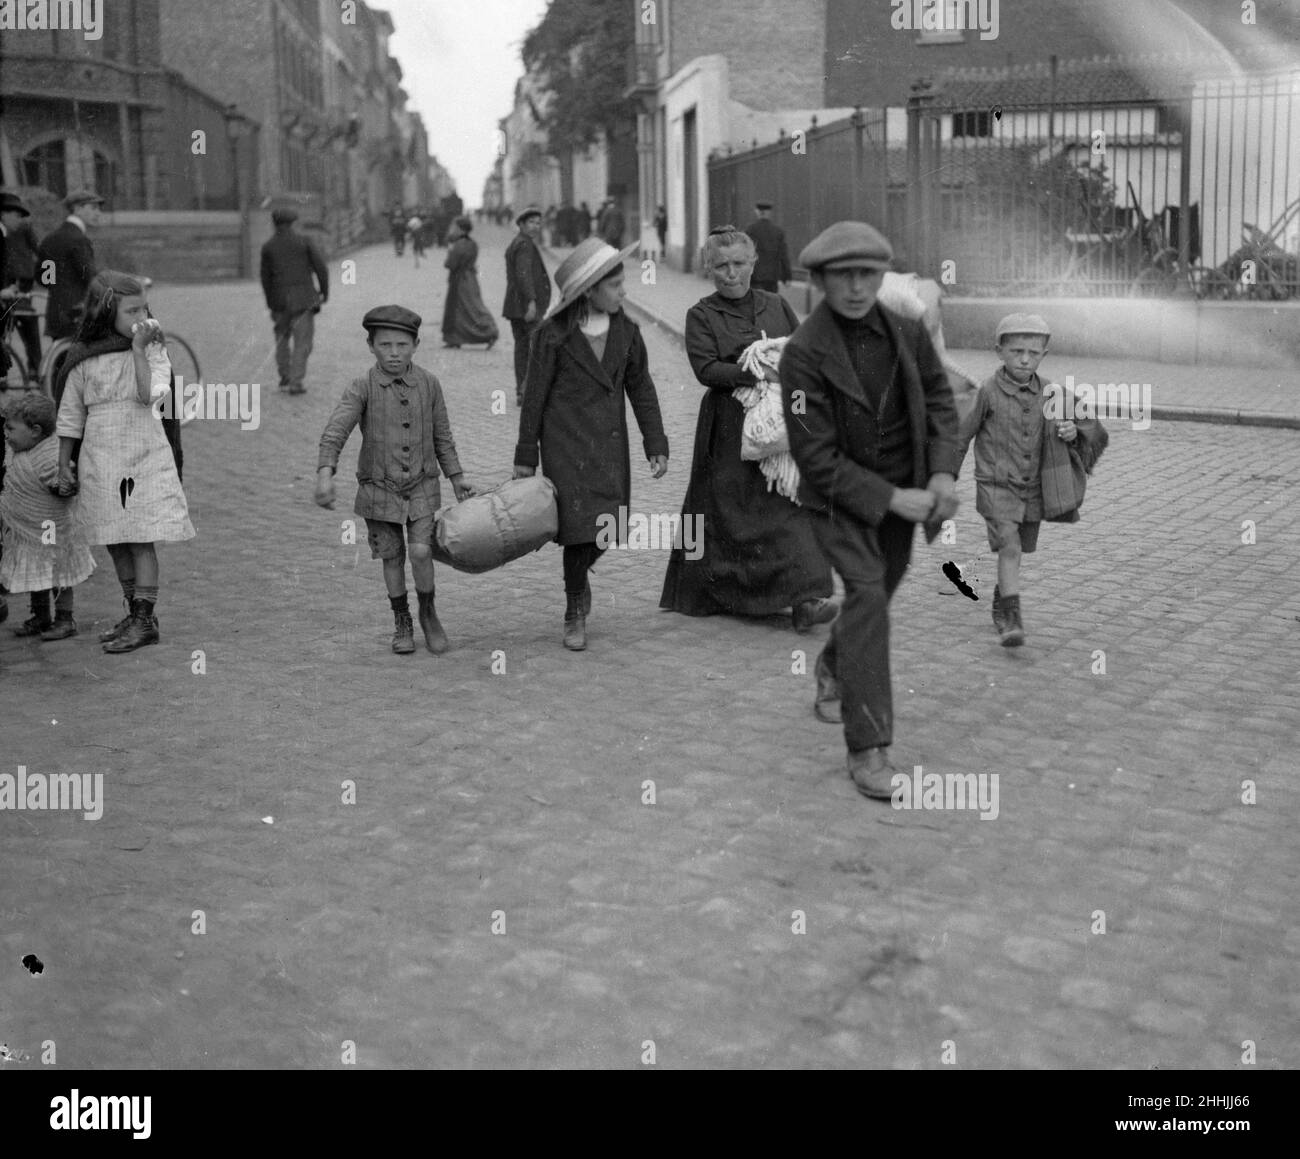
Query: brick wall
[[775, 48]]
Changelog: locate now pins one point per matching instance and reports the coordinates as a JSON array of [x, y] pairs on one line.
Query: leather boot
[[117, 629], [63, 627], [404, 636], [826, 705], [40, 620], [435, 638], [999, 616], [142, 630], [871, 773], [1012, 630], [575, 624], [809, 613]]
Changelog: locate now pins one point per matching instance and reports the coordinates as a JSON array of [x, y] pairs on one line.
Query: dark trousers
[[523, 332], [28, 328], [579, 558], [293, 341], [871, 561]]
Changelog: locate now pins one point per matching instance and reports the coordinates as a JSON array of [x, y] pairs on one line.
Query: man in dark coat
[[773, 264], [873, 429], [528, 290], [289, 262], [612, 225], [73, 256], [18, 270]]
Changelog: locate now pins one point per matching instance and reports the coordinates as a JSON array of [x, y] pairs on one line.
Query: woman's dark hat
[[393, 318], [11, 202]]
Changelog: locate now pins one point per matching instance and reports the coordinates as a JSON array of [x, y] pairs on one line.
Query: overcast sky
[[460, 61]]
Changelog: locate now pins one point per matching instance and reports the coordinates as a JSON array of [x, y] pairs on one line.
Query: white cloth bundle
[[764, 437]]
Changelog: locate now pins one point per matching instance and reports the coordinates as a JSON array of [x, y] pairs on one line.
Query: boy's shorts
[[386, 540], [1006, 530]]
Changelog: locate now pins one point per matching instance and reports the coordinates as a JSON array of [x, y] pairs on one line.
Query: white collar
[[81, 225], [597, 323]]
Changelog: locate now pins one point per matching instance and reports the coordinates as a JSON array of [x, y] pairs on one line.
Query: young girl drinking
[[130, 494], [42, 553], [585, 360]]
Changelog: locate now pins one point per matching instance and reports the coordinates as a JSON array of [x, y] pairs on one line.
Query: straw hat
[[591, 260]]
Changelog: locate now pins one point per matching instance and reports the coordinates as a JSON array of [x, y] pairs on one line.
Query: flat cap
[[284, 216], [12, 203], [527, 211], [848, 243], [82, 197], [1023, 324], [393, 318], [762, 205]]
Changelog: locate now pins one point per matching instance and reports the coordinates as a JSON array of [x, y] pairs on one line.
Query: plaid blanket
[[1066, 466]]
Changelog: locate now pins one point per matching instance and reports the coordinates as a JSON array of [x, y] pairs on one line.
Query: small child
[[42, 553], [1015, 456], [130, 499], [405, 438]]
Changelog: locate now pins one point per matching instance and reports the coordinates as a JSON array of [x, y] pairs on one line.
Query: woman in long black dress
[[465, 320], [760, 555]]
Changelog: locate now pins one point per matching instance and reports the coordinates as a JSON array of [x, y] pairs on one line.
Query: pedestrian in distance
[[405, 439], [584, 222], [759, 554], [612, 225], [661, 230], [397, 228], [465, 320], [289, 263], [73, 256], [18, 273], [44, 553], [772, 266], [873, 429], [129, 494], [1029, 465], [416, 226], [528, 290], [588, 358]]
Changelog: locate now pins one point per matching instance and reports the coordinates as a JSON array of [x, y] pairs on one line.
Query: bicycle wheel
[[50, 364], [185, 365]]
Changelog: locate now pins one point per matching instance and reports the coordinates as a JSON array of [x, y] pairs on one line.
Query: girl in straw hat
[[586, 357]]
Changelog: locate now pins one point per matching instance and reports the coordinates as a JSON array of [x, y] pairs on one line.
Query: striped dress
[[41, 547], [129, 489]]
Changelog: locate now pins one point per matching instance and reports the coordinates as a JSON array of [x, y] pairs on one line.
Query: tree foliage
[[580, 50]]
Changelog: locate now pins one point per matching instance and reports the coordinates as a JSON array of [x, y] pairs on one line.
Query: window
[[105, 179], [943, 21], [973, 124], [46, 166]]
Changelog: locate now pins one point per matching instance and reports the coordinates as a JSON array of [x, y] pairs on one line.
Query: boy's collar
[[1011, 386], [386, 379]]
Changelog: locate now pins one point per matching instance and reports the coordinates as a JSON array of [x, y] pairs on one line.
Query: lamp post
[[237, 126]]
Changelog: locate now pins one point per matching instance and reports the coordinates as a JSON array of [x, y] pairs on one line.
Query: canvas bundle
[[496, 526]]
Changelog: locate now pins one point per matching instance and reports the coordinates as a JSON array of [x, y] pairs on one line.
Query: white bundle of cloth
[[916, 297], [764, 437]]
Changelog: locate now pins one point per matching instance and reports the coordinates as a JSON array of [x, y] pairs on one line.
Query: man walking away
[[69, 248], [289, 262], [19, 271], [528, 290], [773, 264]]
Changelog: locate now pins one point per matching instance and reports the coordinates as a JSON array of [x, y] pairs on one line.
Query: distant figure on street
[[873, 430], [584, 221], [1025, 462], [397, 228], [69, 248], [18, 274], [289, 262], [760, 554], [528, 290], [405, 438], [588, 360], [661, 229], [612, 225], [465, 320], [773, 264]]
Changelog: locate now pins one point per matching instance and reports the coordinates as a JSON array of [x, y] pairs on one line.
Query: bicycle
[[185, 363]]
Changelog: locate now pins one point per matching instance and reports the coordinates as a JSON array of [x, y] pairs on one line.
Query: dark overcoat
[[74, 265], [526, 279], [773, 261], [830, 422], [574, 410], [288, 262]]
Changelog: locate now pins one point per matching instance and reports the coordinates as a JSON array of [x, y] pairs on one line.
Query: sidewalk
[[1207, 394]]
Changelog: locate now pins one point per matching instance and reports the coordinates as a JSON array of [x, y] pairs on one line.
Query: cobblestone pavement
[[759, 913]]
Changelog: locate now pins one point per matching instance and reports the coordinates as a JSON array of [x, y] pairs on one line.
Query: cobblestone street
[[501, 894]]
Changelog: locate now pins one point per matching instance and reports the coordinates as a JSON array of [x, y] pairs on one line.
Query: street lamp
[[237, 126]]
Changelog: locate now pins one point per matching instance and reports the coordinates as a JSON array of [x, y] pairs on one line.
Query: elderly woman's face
[[733, 266]]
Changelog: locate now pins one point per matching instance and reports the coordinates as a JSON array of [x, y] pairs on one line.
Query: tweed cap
[[12, 203], [393, 318], [1023, 324], [848, 243], [284, 216], [82, 197], [527, 211]]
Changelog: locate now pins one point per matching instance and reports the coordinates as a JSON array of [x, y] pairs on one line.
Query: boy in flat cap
[[1022, 473], [405, 438], [289, 262], [873, 429]]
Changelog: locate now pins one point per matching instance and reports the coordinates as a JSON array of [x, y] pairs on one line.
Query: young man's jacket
[[288, 262], [830, 423], [526, 279], [73, 256]]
